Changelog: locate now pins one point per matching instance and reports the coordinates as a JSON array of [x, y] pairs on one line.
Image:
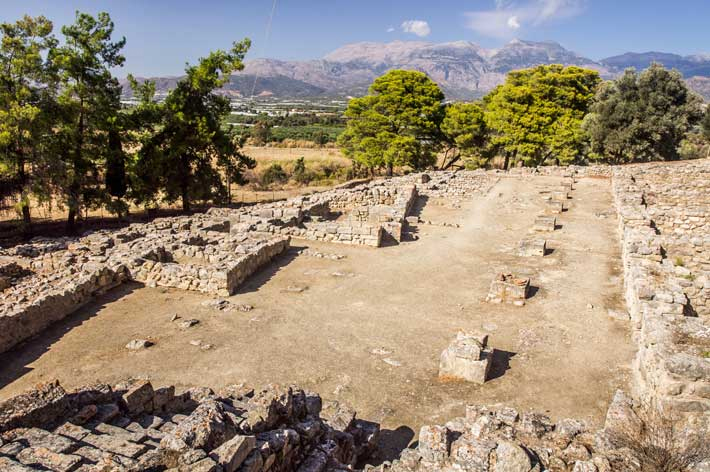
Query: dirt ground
[[369, 329]]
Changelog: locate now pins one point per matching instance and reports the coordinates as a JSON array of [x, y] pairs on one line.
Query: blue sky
[[162, 35]]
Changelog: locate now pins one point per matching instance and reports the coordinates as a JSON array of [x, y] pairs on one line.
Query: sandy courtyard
[[368, 329]]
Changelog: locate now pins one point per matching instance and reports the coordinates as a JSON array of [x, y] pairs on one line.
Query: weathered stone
[[434, 444], [511, 458], [207, 428], [466, 358], [138, 344], [41, 456], [139, 397], [532, 247], [508, 288], [232, 453]]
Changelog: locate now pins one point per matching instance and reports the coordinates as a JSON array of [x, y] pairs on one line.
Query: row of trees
[[63, 131], [547, 114]]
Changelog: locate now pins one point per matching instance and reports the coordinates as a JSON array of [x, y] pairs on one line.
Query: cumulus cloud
[[510, 16], [391, 29], [418, 27], [513, 22]]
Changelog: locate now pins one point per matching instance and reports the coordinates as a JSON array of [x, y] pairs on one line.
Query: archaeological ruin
[[473, 355]]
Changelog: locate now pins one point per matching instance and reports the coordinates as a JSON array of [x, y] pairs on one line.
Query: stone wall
[[666, 300], [134, 427], [31, 306], [181, 252]]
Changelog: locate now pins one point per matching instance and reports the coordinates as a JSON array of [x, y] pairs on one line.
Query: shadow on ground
[[15, 362]]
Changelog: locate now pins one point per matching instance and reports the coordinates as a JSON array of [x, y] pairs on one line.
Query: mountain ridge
[[463, 69]]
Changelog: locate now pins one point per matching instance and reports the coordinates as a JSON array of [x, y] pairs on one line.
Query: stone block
[[139, 397], [434, 444], [466, 358], [232, 453], [553, 207], [559, 195], [508, 288], [545, 223], [532, 247]]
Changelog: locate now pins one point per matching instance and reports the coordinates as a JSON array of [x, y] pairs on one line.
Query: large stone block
[[466, 358], [532, 247], [508, 288], [545, 223]]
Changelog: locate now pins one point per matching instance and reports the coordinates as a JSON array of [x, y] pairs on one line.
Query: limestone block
[[232, 453], [559, 195], [466, 358], [532, 247], [508, 288], [545, 223], [553, 207]]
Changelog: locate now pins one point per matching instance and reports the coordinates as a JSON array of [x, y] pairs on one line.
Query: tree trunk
[[506, 161], [71, 220], [185, 182], [390, 170]]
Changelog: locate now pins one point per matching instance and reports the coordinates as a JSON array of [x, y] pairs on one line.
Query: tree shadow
[[500, 363], [15, 362]]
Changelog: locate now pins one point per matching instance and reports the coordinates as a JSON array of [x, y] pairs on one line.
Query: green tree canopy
[[464, 133], [705, 125], [537, 113], [641, 117], [184, 157], [87, 104], [26, 85], [396, 124]]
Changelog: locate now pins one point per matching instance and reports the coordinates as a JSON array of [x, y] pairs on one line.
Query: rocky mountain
[[463, 69], [689, 66]]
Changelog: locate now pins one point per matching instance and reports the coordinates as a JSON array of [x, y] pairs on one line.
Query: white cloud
[[513, 22], [391, 29], [418, 27], [509, 16]]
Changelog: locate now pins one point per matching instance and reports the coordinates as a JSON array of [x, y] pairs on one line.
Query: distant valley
[[463, 69]]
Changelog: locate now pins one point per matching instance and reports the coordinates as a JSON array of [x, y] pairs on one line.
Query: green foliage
[[537, 113], [188, 151], [300, 174], [274, 174], [395, 125], [705, 124], [88, 102], [464, 133], [261, 133], [641, 117], [26, 86]]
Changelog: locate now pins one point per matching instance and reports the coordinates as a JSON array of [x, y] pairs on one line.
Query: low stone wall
[[31, 306], [672, 366], [133, 427], [218, 273]]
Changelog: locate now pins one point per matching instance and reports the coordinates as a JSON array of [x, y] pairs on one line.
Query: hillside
[[463, 69]]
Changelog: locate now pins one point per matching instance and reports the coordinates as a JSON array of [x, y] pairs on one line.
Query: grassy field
[[315, 159]]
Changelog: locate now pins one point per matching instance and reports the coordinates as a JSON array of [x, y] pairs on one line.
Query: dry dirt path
[[369, 328]]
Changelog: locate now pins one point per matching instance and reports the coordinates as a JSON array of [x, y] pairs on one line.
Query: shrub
[[274, 174], [661, 442], [300, 174]]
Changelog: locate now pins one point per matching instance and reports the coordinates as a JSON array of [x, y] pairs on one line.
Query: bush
[[300, 174], [661, 442], [274, 174]]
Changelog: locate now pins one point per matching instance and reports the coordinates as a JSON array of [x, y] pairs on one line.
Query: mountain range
[[464, 70]]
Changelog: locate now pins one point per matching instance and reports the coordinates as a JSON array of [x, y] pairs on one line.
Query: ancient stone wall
[[134, 427], [667, 301]]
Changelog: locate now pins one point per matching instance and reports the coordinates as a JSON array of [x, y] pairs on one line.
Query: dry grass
[[662, 442]]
